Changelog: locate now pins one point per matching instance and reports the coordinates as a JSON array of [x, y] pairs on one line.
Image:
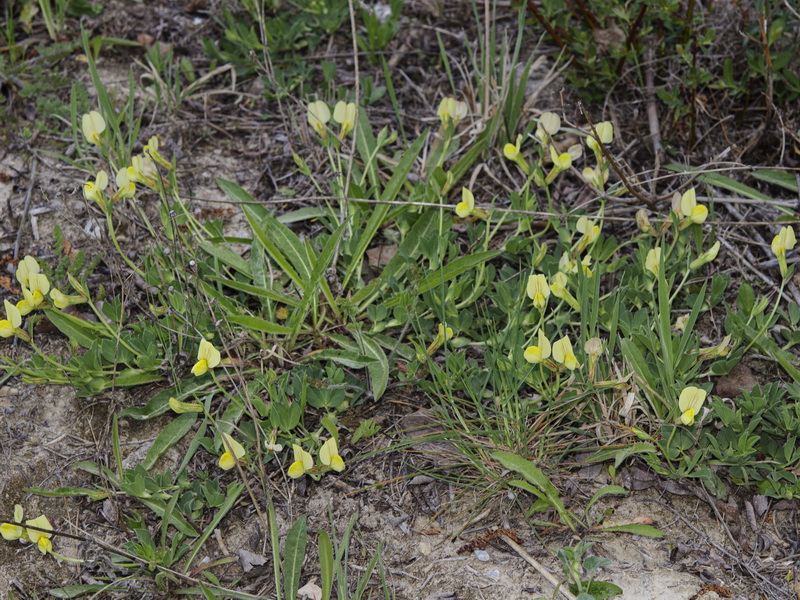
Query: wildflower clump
[[37, 531]]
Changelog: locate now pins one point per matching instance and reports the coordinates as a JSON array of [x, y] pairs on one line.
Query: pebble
[[482, 555]]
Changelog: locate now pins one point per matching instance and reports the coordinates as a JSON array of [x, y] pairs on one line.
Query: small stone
[[482, 555], [740, 379], [425, 548], [494, 575]]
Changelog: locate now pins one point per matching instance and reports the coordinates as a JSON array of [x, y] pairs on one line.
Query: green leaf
[[232, 494], [780, 178], [315, 281], [256, 291], [64, 492], [601, 590], [236, 193], [452, 269], [537, 477], [159, 404], [171, 435], [376, 219], [378, 367], [227, 257], [260, 325], [408, 252], [325, 550], [620, 454], [176, 519], [294, 554], [604, 491], [77, 330], [76, 591], [643, 530]]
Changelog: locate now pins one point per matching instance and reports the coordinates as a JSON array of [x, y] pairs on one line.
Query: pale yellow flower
[[13, 532], [451, 110], [344, 113], [329, 456], [233, 451], [589, 229], [605, 132], [303, 462], [785, 240], [690, 209], [93, 125], [690, 403], [467, 205], [40, 538], [538, 290], [93, 190], [706, 257], [548, 125], [12, 322], [540, 352], [318, 117], [27, 267], [208, 357], [563, 354], [125, 187], [652, 260]]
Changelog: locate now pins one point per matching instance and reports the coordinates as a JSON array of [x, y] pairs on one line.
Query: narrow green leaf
[[77, 330], [232, 494], [604, 491], [449, 271], [176, 519], [227, 257], [378, 366], [65, 492], [620, 454], [295, 552], [76, 591], [325, 550], [315, 281], [780, 178], [159, 404], [376, 219], [275, 539], [537, 477], [643, 530], [258, 324], [256, 291], [171, 435]]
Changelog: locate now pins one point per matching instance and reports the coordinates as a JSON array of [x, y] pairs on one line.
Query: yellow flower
[[143, 170], [61, 300], [93, 125], [451, 109], [233, 452], [329, 456], [538, 290], [12, 322], [303, 462], [597, 177], [513, 151], [318, 116], [689, 403], [93, 190], [467, 205], [558, 285], [561, 161], [605, 132], [680, 323], [125, 187], [344, 113], [40, 538], [563, 354], [690, 209], [548, 125], [13, 532], [151, 150], [652, 260], [539, 353], [721, 349], [27, 267], [643, 221], [208, 357], [706, 257], [785, 240], [589, 230], [184, 407]]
